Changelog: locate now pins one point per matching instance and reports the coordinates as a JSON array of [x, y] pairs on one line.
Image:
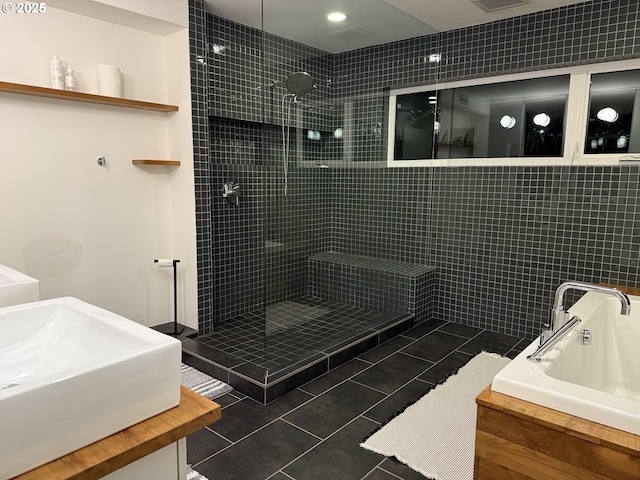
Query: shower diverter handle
[[230, 192]]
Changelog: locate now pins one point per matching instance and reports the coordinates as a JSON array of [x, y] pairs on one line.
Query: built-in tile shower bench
[[363, 303], [374, 283]]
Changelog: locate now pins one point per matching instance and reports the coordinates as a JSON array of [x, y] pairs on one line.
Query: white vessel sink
[[16, 287], [71, 374]]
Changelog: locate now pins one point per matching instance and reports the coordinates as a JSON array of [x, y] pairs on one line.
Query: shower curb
[[244, 376]]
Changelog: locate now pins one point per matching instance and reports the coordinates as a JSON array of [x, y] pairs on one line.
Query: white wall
[[83, 230], [183, 207], [167, 10]]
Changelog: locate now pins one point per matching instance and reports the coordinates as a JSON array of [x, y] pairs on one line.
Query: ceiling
[[370, 22]]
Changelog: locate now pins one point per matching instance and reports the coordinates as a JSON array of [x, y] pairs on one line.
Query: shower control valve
[[231, 192]]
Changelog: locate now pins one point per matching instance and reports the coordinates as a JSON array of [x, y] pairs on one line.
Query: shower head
[[299, 83]]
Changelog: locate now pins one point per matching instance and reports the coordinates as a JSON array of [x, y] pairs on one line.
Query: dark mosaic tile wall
[[247, 68], [260, 247], [502, 238]]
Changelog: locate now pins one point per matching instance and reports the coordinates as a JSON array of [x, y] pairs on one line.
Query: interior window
[[613, 126], [524, 118]]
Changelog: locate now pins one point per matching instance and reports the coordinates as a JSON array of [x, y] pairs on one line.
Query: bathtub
[[599, 382]]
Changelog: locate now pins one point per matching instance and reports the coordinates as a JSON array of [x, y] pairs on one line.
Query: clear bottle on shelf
[[70, 81], [57, 73]]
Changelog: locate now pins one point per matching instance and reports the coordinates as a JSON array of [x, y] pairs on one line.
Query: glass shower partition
[[304, 262], [298, 136], [313, 289], [328, 287]]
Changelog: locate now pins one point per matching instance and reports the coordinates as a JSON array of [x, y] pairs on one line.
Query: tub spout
[[558, 314], [560, 323]]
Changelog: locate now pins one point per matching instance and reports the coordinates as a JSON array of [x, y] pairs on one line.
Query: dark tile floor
[[314, 431], [294, 331]]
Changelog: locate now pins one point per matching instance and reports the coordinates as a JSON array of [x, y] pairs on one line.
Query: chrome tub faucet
[[560, 322], [558, 314]]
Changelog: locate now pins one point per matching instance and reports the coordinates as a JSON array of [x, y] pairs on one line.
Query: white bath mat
[[193, 475], [436, 435], [202, 384]]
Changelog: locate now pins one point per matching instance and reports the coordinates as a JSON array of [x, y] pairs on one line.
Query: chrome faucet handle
[[559, 317], [545, 334], [552, 340], [231, 192]]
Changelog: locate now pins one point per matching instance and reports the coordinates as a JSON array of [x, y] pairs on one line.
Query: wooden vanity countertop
[[122, 448]]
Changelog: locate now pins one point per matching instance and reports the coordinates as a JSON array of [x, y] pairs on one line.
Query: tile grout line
[[231, 444], [220, 435], [363, 414], [233, 403], [409, 355], [373, 469], [416, 357], [416, 377], [317, 444], [393, 474], [240, 439], [280, 417], [399, 350], [408, 382], [282, 473], [302, 429], [371, 388]]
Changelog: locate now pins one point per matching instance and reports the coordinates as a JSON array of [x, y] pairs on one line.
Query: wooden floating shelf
[[84, 97], [167, 163]]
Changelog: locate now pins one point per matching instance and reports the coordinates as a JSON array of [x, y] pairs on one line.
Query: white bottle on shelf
[[57, 73], [70, 82]]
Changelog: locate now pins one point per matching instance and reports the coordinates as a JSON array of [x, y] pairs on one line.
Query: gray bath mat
[[202, 384]]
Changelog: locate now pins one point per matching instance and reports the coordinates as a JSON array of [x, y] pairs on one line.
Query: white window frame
[[576, 117]]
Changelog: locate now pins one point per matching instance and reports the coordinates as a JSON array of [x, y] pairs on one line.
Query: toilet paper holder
[[170, 262]]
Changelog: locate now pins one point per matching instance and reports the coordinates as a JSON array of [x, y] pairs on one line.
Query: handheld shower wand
[[298, 84]]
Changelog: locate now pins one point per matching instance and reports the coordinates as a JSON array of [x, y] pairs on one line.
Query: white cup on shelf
[[109, 80]]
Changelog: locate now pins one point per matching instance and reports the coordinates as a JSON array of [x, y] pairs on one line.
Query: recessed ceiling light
[[336, 17]]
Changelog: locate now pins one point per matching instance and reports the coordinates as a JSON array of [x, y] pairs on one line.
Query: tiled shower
[[501, 239]]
